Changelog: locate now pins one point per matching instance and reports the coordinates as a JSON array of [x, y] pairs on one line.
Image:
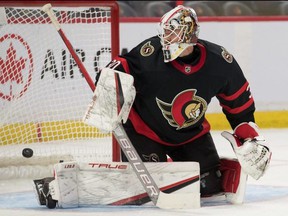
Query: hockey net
[[43, 95]]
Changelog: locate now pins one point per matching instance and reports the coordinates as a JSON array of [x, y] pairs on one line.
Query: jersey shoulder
[[218, 51], [145, 54], [155, 40], [147, 46]]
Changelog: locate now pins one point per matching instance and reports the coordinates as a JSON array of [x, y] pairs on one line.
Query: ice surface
[[265, 197]]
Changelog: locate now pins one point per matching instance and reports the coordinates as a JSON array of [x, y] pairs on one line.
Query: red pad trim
[[124, 63], [231, 171]]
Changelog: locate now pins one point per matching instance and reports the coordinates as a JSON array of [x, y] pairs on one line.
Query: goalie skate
[[41, 187]]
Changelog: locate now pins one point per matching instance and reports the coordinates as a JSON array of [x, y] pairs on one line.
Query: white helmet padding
[[178, 29]]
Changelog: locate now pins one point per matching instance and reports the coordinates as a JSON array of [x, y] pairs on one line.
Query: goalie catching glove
[[112, 100], [249, 148]]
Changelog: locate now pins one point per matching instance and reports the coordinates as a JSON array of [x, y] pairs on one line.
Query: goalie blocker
[[112, 100], [92, 184]]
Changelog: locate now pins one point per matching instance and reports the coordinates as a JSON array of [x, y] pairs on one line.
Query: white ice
[[265, 197]]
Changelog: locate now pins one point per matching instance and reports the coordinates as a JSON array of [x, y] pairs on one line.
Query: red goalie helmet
[[178, 29]]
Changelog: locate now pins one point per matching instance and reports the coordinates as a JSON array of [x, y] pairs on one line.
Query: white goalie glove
[[112, 100], [249, 148]]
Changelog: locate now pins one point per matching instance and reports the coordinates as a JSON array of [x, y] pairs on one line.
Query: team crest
[[147, 49], [185, 110], [226, 55], [153, 157]]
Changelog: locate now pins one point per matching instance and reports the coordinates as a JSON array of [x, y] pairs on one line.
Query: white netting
[[43, 95]]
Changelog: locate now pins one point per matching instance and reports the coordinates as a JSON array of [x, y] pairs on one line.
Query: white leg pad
[[115, 183]]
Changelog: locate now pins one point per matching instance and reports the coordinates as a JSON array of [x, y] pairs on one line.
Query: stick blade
[[178, 200]]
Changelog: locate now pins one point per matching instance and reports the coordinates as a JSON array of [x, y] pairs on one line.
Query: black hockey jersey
[[172, 98]]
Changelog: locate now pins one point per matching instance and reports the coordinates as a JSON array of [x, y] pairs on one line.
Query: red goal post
[[43, 95]]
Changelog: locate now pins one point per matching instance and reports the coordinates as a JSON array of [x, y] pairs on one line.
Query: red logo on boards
[[16, 66]]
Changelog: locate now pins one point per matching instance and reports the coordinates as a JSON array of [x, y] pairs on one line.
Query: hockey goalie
[[77, 184], [154, 99]]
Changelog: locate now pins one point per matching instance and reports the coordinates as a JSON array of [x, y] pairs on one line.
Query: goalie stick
[[159, 198]]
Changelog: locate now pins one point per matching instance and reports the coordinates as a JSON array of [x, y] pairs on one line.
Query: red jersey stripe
[[142, 128], [238, 109], [235, 95]]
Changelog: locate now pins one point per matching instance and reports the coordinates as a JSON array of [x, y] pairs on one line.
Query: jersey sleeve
[[235, 98]]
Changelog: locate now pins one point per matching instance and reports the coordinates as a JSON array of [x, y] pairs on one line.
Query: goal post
[[43, 95]]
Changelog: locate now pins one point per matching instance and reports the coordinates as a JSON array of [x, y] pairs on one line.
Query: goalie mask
[[178, 29]]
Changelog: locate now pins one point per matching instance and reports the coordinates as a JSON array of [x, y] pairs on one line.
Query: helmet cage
[[172, 34], [178, 28]]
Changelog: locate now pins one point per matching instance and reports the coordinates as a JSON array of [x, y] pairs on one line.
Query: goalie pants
[[201, 150]]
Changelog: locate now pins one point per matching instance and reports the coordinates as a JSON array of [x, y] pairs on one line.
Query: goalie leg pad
[[89, 184]]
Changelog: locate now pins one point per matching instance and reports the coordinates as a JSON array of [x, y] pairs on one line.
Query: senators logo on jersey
[[147, 49], [226, 55], [185, 110]]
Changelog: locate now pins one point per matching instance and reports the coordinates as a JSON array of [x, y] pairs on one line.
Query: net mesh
[[43, 95]]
